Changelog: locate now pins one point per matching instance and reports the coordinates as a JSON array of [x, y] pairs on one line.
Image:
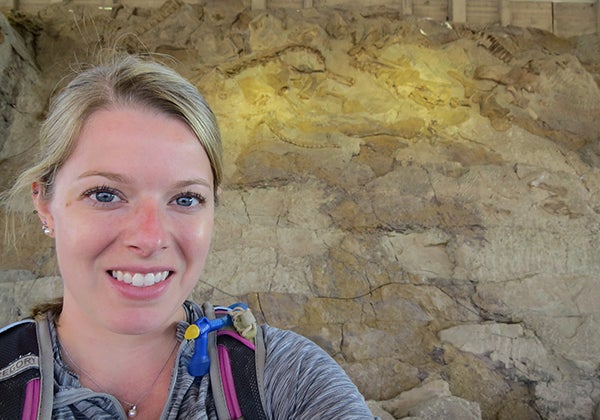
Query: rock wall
[[421, 199]]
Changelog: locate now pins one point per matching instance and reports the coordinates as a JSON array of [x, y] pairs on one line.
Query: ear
[[42, 206]]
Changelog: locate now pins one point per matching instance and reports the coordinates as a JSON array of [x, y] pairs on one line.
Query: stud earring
[[47, 231]]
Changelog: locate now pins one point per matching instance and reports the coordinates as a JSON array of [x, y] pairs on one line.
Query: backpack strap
[[239, 370], [216, 382], [236, 365], [47, 368], [260, 361], [26, 371]]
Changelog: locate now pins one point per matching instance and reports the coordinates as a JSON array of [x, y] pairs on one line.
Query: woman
[[126, 184]]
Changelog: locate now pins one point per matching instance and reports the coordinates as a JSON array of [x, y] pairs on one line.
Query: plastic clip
[[200, 362]]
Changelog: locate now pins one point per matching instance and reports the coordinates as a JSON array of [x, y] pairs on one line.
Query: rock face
[[422, 200], [21, 101]]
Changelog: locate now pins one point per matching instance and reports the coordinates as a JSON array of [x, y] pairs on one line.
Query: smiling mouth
[[139, 279]]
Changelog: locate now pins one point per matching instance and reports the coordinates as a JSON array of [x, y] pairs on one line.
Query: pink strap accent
[[238, 337], [235, 412], [32, 399]]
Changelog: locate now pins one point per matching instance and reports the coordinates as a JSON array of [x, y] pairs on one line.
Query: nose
[[146, 233]]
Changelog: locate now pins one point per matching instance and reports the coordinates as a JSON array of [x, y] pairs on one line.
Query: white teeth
[[149, 279], [127, 278], [139, 279]]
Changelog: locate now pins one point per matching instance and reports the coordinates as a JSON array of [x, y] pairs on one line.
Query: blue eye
[[189, 199], [103, 195], [186, 201]]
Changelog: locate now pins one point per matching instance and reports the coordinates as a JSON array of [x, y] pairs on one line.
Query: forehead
[[135, 139]]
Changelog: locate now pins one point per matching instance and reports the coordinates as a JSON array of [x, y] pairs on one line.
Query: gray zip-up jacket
[[301, 382]]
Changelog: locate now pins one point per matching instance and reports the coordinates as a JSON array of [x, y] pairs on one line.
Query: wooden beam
[[307, 4], [458, 11], [597, 7], [554, 1], [407, 7], [505, 15]]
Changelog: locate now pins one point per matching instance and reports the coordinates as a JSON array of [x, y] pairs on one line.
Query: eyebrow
[[127, 180], [196, 181], [108, 175]]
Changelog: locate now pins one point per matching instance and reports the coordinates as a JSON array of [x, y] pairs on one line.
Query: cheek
[[196, 238], [80, 235]]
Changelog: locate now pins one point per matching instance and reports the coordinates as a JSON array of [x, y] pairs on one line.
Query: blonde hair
[[121, 80]]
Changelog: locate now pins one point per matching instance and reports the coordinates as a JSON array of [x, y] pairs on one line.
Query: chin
[[142, 321]]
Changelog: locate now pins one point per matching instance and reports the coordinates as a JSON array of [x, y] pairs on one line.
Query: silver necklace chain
[[133, 407]]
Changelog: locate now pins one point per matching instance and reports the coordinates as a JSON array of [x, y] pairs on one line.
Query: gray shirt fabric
[[301, 382]]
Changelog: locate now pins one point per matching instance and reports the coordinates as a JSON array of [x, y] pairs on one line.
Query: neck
[[135, 368]]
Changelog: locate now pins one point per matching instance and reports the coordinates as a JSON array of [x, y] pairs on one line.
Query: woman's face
[[132, 215]]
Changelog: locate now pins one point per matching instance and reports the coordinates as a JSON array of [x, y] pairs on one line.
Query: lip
[[143, 292]]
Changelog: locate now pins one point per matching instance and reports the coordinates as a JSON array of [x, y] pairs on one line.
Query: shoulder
[[18, 325], [19, 366], [291, 347], [28, 337], [287, 350], [18, 338], [278, 339], [302, 381]]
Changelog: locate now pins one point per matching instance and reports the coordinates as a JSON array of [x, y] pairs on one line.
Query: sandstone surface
[[421, 199]]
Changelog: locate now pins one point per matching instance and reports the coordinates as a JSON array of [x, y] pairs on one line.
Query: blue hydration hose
[[200, 362]]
